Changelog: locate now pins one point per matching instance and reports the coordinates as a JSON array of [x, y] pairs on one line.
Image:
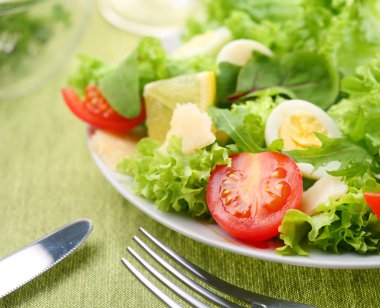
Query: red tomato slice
[[250, 198], [373, 200], [96, 111]]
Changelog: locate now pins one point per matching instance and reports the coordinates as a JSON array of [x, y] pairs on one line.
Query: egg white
[[240, 51], [286, 109]]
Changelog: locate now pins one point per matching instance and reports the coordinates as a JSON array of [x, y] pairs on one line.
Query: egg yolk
[[297, 131]]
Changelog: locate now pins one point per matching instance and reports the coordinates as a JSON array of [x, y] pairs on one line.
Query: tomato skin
[[107, 120], [250, 198], [373, 200]]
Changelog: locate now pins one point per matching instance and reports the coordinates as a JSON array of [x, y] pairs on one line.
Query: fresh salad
[[266, 120]]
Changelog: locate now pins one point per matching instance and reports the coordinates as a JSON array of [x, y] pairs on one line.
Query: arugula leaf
[[244, 129], [121, 87], [308, 75], [276, 146], [354, 160], [245, 124]]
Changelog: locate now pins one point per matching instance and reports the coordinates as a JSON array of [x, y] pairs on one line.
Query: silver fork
[[255, 299]]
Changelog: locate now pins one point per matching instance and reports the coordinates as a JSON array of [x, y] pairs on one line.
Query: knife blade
[[32, 260]]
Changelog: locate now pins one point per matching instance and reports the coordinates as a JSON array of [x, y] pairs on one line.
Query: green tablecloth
[[47, 179]]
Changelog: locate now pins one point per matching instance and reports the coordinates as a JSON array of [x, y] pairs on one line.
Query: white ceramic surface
[[213, 235]]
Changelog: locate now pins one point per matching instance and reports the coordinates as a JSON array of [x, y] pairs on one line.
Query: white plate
[[213, 235]]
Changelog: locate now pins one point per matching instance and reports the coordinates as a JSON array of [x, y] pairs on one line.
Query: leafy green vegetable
[[331, 28], [120, 86], [123, 85], [354, 160], [245, 124], [151, 58], [173, 180], [226, 79], [358, 116], [308, 75], [347, 224], [154, 63], [245, 129], [89, 72], [190, 65]]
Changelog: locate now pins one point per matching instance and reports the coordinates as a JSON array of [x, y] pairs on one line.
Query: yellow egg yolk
[[297, 131]]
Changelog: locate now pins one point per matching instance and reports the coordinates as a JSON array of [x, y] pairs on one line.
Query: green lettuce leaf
[[347, 224], [358, 116], [245, 124], [151, 61], [189, 65], [174, 181], [331, 28]]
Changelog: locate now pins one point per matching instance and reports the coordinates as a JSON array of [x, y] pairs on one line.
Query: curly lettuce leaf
[[89, 72], [174, 181], [359, 114], [195, 64], [346, 224], [151, 61], [331, 28]]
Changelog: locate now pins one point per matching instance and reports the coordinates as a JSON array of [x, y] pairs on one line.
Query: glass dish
[[37, 37]]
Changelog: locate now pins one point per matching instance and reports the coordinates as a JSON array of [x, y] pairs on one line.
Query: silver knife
[[29, 262]]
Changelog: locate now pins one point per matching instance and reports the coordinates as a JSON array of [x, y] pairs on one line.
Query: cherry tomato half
[[96, 111], [250, 198], [373, 200]]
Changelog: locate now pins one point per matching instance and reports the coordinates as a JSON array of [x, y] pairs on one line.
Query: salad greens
[[173, 180], [359, 114], [324, 52], [307, 75], [245, 124], [346, 224], [354, 159], [119, 85], [126, 81], [331, 28]]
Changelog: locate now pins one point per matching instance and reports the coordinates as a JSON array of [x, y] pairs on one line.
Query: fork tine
[[191, 283], [190, 299], [197, 271], [161, 295], [255, 299]]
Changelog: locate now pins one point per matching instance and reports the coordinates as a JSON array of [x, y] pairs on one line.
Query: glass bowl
[[37, 37]]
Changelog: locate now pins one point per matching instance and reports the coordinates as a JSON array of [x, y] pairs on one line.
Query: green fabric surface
[[47, 179]]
